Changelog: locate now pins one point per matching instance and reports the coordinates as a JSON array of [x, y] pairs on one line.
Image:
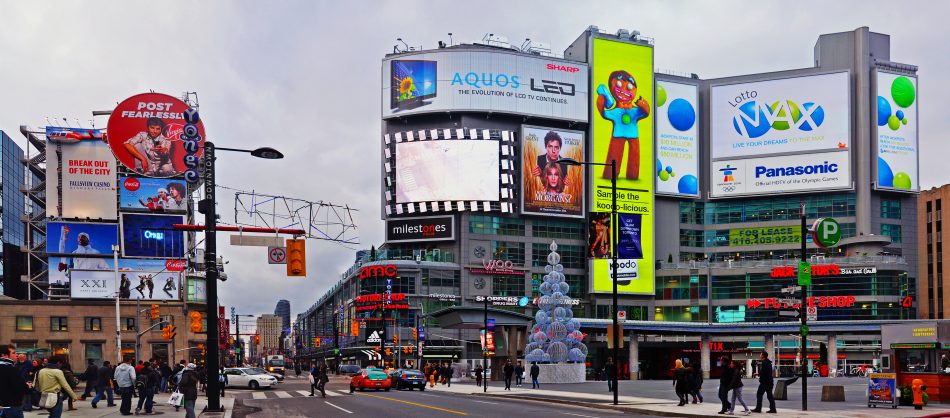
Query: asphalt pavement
[[291, 399]]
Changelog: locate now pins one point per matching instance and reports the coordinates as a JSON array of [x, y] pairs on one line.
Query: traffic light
[[231, 341], [195, 318], [405, 350], [316, 342], [410, 349], [296, 257], [168, 332], [388, 352], [154, 312], [415, 334], [257, 339], [395, 340]]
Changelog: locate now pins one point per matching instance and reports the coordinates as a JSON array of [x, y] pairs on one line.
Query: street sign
[[422, 337], [811, 313], [788, 301], [804, 273], [793, 314], [256, 240], [276, 255], [621, 316], [791, 289], [804, 330], [826, 232]]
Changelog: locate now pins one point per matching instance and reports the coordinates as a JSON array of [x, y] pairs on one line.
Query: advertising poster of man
[[147, 235], [152, 195], [145, 134], [548, 187], [81, 239], [80, 173]]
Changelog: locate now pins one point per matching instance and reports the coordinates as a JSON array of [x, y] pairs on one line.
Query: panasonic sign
[[825, 167], [821, 171]]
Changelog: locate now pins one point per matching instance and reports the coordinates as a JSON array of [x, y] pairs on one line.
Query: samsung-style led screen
[[451, 170]]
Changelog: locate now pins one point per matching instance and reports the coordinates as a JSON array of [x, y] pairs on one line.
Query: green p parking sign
[[826, 232]]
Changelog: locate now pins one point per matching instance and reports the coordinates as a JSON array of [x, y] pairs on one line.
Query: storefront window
[[93, 324], [94, 352], [24, 323], [160, 352], [496, 225], [916, 361], [59, 349], [128, 349]]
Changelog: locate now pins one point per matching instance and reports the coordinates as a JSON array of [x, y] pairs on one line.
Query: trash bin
[[781, 388]]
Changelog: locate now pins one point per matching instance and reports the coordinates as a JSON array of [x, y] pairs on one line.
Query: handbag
[[176, 399], [48, 400]]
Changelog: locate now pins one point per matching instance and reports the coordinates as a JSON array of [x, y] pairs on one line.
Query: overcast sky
[[304, 77]]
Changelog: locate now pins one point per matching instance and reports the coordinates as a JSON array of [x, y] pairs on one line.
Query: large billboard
[[81, 239], [781, 174], [154, 236], [152, 195], [450, 170], [138, 279], [483, 81], [786, 115], [622, 130], [431, 228], [145, 134], [896, 110], [80, 174], [549, 187], [677, 139]]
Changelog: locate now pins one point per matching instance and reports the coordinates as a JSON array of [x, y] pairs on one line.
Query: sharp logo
[[374, 338], [552, 87], [565, 68]]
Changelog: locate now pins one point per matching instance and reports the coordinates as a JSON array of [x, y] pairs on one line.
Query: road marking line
[[337, 407], [282, 394], [303, 393], [490, 403], [415, 404], [579, 415], [258, 395], [340, 393]]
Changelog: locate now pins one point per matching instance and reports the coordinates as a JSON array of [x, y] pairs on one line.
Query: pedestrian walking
[[147, 383], [519, 374], [736, 386], [610, 370], [297, 369], [696, 384], [71, 379], [535, 372], [313, 378], [125, 379], [766, 381], [104, 384], [188, 386], [681, 382], [11, 379], [725, 378], [166, 372], [51, 381], [447, 373], [509, 372], [479, 372], [222, 381], [323, 377], [89, 376]]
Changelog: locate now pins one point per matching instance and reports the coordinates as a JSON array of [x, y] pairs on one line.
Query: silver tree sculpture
[[555, 336]]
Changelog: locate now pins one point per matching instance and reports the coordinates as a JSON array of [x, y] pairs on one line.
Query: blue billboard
[[81, 239], [152, 236], [152, 194]]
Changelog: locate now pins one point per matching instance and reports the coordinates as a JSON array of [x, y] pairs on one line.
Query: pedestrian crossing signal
[[296, 258]]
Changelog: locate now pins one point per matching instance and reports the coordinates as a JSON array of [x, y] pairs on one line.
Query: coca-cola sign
[[496, 267]]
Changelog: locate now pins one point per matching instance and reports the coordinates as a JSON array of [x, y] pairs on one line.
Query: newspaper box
[[882, 389]]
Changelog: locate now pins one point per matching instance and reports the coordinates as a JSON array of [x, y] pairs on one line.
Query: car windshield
[[275, 362], [412, 373], [255, 370]]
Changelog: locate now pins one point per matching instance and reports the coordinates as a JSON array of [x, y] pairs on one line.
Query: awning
[[471, 317]]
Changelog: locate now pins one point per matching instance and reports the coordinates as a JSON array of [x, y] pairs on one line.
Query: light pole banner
[[622, 130]]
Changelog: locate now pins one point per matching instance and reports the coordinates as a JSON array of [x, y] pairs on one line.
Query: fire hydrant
[[917, 386]]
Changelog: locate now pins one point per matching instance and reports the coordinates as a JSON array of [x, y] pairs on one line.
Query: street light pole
[[804, 317], [212, 359], [485, 351], [614, 223], [118, 320]]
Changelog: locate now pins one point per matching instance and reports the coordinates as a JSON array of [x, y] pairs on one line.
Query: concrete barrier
[[832, 393]]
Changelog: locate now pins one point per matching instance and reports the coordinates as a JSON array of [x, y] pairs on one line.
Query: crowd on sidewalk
[[688, 382], [50, 383]]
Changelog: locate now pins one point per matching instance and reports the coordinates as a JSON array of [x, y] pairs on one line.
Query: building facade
[[269, 327], [283, 311], [11, 225], [933, 297], [723, 242]]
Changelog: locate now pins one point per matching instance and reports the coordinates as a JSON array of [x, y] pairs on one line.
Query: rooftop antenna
[[526, 45], [450, 39], [48, 122], [404, 44]]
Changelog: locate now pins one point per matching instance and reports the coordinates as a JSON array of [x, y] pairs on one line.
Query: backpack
[[177, 378], [141, 380]]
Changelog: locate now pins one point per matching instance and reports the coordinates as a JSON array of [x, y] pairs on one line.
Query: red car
[[370, 378]]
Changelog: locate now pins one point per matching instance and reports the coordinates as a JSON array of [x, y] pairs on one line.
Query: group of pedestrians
[[319, 377], [436, 373], [53, 378], [731, 380], [687, 381]]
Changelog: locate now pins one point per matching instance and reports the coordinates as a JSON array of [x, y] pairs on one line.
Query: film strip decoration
[[506, 177]]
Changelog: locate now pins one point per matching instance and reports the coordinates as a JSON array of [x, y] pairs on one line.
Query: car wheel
[[352, 389], [422, 388], [387, 389], [410, 388], [254, 385]]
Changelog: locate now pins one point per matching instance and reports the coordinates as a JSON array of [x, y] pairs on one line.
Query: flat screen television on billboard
[[152, 236], [449, 170], [413, 81]]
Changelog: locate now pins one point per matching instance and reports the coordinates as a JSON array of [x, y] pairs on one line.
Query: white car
[[249, 377]]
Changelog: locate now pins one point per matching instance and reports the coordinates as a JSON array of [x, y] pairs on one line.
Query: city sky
[[305, 77]]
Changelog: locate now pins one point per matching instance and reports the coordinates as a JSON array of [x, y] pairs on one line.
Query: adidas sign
[[374, 338]]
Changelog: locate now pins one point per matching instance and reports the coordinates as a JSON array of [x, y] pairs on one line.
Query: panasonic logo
[[797, 170]]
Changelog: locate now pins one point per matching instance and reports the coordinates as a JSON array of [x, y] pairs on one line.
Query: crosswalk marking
[[282, 394], [303, 393], [258, 395]]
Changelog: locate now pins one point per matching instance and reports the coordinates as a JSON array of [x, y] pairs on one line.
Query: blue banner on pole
[[629, 245]]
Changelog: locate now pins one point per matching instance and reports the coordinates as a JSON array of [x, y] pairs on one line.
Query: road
[[291, 399]]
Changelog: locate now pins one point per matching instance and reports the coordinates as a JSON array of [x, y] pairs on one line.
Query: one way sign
[[793, 314]]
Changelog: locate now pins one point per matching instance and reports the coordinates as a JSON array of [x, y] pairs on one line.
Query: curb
[[631, 409]]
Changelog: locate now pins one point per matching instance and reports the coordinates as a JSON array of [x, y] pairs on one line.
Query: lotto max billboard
[[484, 81], [622, 130], [896, 147], [677, 139], [787, 115]]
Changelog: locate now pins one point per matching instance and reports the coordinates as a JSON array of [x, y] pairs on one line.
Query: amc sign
[[388, 270]]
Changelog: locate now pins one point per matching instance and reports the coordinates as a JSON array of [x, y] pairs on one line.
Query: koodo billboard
[[465, 80]]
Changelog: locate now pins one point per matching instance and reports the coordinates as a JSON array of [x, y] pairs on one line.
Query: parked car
[[370, 378], [407, 378], [278, 376], [350, 369], [249, 377]]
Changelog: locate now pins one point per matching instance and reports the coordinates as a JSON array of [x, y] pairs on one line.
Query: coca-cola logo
[[175, 265], [131, 184]]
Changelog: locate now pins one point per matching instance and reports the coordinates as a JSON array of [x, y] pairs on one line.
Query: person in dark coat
[[736, 386], [725, 378], [323, 377], [150, 380], [15, 388], [447, 373], [519, 374], [681, 377], [766, 381], [610, 370], [509, 371], [479, 371], [89, 376], [104, 384], [535, 372], [188, 386], [696, 383]]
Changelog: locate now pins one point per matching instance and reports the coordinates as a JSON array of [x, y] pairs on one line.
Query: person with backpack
[[222, 380], [147, 383], [188, 386], [104, 384]]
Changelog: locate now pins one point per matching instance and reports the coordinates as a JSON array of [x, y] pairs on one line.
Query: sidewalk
[[161, 407], [651, 400]]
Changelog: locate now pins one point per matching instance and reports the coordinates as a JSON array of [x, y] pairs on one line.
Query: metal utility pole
[[118, 319], [615, 226], [485, 351], [804, 318], [207, 206]]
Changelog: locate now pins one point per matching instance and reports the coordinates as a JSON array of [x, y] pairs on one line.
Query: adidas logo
[[374, 338]]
